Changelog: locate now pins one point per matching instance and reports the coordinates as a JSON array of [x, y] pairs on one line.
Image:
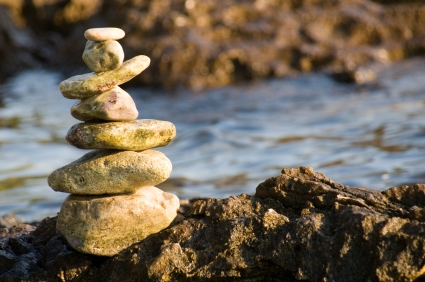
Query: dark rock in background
[[213, 43], [298, 226]]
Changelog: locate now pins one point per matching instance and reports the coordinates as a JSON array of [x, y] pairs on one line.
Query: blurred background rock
[[208, 43]]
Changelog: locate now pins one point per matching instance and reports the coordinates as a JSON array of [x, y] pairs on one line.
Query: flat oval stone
[[113, 105], [90, 84], [134, 135], [111, 172], [104, 33], [103, 56], [106, 225]]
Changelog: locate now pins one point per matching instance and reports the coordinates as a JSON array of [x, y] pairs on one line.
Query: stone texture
[[106, 225], [134, 135], [87, 85], [113, 105], [299, 226], [104, 33], [111, 172], [103, 56], [46, 251]]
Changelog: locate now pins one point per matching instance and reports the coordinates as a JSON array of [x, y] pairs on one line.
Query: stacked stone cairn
[[113, 201]]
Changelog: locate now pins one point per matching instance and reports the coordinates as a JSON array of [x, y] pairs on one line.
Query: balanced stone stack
[[113, 201]]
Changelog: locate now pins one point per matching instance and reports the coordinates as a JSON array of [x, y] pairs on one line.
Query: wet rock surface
[[300, 225], [212, 43]]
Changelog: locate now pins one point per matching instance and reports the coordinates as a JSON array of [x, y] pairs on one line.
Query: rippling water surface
[[230, 139]]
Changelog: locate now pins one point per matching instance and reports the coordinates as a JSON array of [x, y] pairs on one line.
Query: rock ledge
[[300, 225]]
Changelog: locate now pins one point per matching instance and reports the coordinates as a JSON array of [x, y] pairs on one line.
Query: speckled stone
[[111, 172], [134, 135], [106, 225], [103, 56], [113, 105], [90, 84], [104, 33]]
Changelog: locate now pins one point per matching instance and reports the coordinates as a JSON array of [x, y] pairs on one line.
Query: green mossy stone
[[106, 225], [90, 84], [103, 56], [134, 135], [113, 105], [111, 172]]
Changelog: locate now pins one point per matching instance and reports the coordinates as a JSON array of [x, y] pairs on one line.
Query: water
[[230, 139]]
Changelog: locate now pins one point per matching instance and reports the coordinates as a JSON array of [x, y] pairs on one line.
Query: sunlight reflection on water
[[230, 139]]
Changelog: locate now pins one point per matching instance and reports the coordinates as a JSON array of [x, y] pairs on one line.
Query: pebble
[[111, 172], [113, 105], [104, 33], [106, 225], [90, 84], [103, 56], [134, 135]]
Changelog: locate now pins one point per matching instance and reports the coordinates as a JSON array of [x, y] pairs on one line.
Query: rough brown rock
[[211, 43], [300, 225]]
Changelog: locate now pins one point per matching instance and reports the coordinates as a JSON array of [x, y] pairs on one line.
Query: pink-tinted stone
[[113, 105]]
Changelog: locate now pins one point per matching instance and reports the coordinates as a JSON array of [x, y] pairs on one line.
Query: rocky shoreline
[[300, 225], [200, 44]]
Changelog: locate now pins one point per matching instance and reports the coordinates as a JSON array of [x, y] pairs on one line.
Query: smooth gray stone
[[133, 135], [103, 56], [90, 84], [104, 33], [111, 172]]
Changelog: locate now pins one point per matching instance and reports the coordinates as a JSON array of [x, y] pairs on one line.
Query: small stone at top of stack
[[104, 33]]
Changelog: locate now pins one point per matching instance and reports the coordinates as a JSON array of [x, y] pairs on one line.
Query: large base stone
[[106, 225]]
